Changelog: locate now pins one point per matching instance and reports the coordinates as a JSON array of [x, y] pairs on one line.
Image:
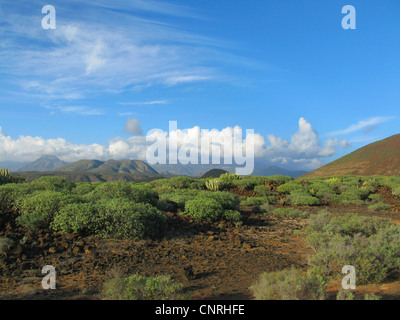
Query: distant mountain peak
[[45, 162]]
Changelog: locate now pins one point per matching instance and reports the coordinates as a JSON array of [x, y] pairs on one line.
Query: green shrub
[[83, 188], [233, 216], [375, 198], [321, 190], [353, 195], [123, 218], [38, 209], [379, 206], [348, 295], [372, 296], [77, 218], [180, 197], [244, 184], [289, 187], [227, 200], [303, 200], [277, 179], [204, 209], [160, 183], [199, 184], [345, 295], [138, 287], [181, 182], [396, 191], [122, 189], [370, 244], [291, 213], [166, 206], [264, 190], [53, 184], [290, 284], [254, 201], [11, 192]]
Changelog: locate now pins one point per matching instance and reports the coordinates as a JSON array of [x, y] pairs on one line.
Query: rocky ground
[[211, 260]]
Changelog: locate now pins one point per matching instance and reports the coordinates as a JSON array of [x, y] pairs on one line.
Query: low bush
[[304, 200], [321, 190], [204, 209], [345, 295], [123, 190], [233, 216], [83, 188], [290, 284], [291, 213], [277, 179], [11, 192], [263, 190], [290, 186], [138, 287], [123, 218], [379, 206], [180, 182], [79, 218], [38, 209], [180, 197], [227, 200], [244, 184], [375, 198], [372, 296], [370, 244], [53, 184], [254, 201], [166, 206]]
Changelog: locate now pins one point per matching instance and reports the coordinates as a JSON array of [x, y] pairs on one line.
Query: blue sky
[[271, 66]]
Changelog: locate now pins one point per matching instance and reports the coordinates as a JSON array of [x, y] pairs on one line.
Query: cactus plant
[[214, 185], [5, 176], [5, 173]]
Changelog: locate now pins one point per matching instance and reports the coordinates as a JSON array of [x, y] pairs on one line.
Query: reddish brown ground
[[378, 158], [213, 261]]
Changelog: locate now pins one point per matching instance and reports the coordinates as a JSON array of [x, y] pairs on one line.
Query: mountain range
[[49, 163], [110, 166]]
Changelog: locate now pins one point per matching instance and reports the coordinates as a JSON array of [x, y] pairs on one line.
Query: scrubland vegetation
[[128, 210]]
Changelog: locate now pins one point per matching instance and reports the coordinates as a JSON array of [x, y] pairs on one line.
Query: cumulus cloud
[[303, 151], [304, 148], [133, 126]]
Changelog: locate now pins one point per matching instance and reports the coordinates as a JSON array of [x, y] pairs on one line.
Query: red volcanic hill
[[378, 158]]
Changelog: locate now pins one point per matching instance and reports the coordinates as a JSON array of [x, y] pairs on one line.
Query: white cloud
[[174, 80], [114, 53], [304, 150], [77, 110], [367, 125], [145, 103]]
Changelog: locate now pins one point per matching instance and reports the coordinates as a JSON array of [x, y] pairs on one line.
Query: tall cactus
[[214, 185], [5, 173]]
